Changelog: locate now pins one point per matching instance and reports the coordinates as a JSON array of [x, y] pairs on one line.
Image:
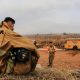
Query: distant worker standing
[[51, 50]]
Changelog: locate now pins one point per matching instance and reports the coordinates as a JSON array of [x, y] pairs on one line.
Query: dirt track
[[63, 59]]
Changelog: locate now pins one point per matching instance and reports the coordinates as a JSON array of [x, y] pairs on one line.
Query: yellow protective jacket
[[10, 39]]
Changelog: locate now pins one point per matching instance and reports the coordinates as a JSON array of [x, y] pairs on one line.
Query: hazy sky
[[42, 16]]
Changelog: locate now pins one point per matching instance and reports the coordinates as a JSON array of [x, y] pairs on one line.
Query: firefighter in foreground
[[18, 54], [51, 50]]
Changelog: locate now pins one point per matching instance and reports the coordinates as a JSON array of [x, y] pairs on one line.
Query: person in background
[[51, 50]]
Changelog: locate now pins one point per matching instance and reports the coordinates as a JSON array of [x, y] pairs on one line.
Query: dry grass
[[46, 74]]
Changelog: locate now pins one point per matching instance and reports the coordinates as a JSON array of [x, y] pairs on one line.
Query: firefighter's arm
[[55, 49], [48, 49], [1, 31]]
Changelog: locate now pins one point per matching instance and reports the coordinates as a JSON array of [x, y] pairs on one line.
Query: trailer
[[72, 43]]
